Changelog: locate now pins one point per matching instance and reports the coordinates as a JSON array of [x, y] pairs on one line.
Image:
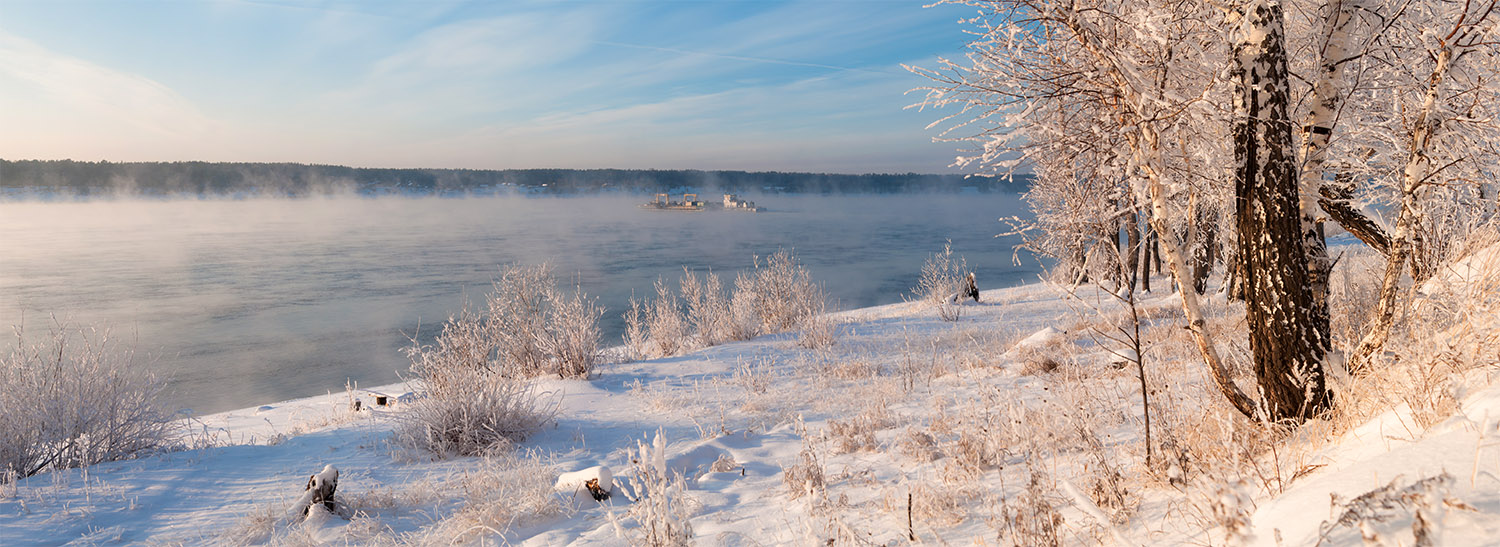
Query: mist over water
[[248, 302]]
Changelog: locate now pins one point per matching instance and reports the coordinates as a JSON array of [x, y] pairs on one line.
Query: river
[[240, 302]]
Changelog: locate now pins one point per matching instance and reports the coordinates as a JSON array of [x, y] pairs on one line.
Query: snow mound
[[574, 481], [1479, 269], [1037, 339], [1378, 482]]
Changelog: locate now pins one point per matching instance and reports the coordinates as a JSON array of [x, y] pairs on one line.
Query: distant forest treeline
[[70, 177]]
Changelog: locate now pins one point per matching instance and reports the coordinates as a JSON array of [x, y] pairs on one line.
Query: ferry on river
[[690, 202]]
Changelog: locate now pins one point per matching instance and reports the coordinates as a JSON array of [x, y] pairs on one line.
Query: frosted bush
[[805, 477], [464, 343], [943, 281], [667, 327], [709, 310], [744, 319], [637, 335], [468, 410], [1355, 287], [532, 328], [572, 339], [782, 291], [474, 374], [776, 296], [76, 399], [818, 330], [518, 316], [539, 329]]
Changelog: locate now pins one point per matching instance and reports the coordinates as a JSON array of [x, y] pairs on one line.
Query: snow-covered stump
[[599, 482], [319, 490]]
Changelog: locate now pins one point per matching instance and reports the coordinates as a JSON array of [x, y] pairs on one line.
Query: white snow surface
[[742, 406]]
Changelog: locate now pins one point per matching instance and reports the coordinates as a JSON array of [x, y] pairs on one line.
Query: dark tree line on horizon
[[293, 179]]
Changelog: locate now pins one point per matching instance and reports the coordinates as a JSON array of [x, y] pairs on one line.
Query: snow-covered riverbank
[[908, 429]]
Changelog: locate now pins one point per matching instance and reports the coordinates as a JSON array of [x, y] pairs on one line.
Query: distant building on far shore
[[732, 201]]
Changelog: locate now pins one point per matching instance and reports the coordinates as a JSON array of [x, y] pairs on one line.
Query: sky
[[639, 84]]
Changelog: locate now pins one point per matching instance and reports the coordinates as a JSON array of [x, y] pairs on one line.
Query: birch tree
[[1142, 74], [1279, 246], [1435, 146], [1142, 103]]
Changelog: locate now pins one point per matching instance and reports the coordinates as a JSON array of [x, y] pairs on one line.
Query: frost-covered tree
[[1428, 138], [1137, 90], [1288, 324], [1307, 110], [1133, 88]]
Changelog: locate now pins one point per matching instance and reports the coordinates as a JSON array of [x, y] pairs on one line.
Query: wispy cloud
[[51, 96], [643, 83], [471, 66], [807, 124], [736, 57]]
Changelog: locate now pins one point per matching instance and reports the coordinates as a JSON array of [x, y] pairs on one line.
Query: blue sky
[[757, 85]]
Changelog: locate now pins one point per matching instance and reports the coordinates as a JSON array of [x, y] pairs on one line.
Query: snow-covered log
[[319, 490]]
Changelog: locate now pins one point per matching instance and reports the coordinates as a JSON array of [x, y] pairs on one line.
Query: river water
[[241, 302]]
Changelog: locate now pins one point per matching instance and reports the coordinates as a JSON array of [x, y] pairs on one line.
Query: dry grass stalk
[[661, 507], [805, 477]]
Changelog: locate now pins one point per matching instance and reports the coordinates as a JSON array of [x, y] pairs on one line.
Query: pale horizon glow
[[634, 84]]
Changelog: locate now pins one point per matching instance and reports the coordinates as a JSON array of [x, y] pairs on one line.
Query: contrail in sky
[[740, 57]]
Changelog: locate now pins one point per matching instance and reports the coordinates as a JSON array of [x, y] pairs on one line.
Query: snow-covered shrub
[[1035, 362], [467, 407], [744, 318], [518, 317], [572, 339], [775, 297], [709, 311], [668, 329], [782, 292], [941, 504], [804, 477], [944, 278], [847, 369], [1045, 357], [1354, 290], [1225, 506], [858, 432], [637, 335], [917, 445], [818, 330], [75, 398], [537, 328], [656, 328], [1447, 330], [472, 412], [724, 464], [754, 376], [1453, 326], [974, 450]]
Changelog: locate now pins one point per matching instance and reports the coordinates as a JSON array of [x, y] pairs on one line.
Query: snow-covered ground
[[1018, 423]]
